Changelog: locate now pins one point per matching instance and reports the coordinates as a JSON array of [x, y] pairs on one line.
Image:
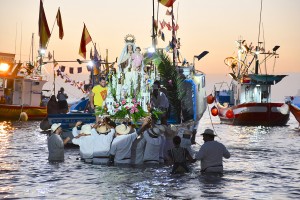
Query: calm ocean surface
[[264, 164]]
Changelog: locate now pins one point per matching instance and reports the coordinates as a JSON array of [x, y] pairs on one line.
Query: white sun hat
[[55, 126]]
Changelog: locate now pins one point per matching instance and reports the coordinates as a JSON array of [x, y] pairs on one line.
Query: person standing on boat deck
[[153, 147], [120, 151], [52, 106], [102, 142], [62, 101], [56, 144], [160, 101], [179, 156], [85, 141], [211, 153], [98, 95]]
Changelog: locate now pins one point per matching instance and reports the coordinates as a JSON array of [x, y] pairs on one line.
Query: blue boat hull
[[69, 120]]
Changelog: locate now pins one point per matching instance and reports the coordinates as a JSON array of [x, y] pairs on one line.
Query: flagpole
[[53, 74], [173, 37], [51, 32]]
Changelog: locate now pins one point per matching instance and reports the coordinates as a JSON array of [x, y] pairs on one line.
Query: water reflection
[[264, 164]]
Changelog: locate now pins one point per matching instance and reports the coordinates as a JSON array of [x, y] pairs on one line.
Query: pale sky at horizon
[[211, 25]]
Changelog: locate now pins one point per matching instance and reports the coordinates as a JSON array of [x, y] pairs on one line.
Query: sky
[[211, 25]]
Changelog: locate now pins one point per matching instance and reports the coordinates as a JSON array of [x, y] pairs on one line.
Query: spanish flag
[[59, 24], [85, 39], [167, 3], [44, 31]]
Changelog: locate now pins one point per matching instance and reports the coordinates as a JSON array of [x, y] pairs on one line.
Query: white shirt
[[102, 143], [137, 151], [152, 149], [185, 142], [160, 102], [211, 155], [121, 147], [85, 144]]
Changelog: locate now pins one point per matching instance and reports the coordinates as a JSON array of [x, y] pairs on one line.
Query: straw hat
[[173, 128], [86, 129], [55, 126], [122, 129], [103, 129], [208, 132]]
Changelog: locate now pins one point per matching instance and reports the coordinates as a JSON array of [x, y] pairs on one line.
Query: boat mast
[[153, 27], [174, 41], [258, 42]]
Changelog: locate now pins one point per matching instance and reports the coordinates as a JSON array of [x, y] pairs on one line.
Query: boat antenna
[[31, 48], [16, 38], [258, 43], [20, 44], [261, 3]]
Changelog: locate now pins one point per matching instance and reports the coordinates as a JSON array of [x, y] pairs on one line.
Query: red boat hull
[[256, 114]]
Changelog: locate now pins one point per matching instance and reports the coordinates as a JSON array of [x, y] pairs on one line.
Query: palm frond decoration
[[170, 79]]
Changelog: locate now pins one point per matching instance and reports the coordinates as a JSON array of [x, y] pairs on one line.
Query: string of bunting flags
[[60, 72]]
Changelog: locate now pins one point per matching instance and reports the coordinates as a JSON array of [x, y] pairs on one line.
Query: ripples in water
[[264, 164]]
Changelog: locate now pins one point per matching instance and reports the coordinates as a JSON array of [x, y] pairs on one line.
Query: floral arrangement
[[130, 109]]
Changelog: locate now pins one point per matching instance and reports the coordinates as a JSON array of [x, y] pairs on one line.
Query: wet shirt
[[152, 149], [102, 142], [211, 155], [55, 148], [121, 147], [85, 144]]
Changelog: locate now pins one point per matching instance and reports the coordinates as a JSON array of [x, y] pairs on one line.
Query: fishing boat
[[247, 100], [20, 89]]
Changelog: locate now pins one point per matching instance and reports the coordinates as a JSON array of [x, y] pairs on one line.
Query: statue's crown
[[129, 38]]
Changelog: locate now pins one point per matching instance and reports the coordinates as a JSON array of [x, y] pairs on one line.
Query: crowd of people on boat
[[151, 144]]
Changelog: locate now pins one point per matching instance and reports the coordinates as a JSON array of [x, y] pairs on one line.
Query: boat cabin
[[17, 87]]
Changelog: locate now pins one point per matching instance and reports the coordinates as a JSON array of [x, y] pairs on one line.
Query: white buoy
[[23, 116]]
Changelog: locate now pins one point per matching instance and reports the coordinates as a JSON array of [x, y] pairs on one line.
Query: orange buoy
[[229, 114], [210, 99], [214, 111]]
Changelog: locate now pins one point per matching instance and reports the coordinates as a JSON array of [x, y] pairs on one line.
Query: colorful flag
[[71, 70], [85, 39], [176, 27], [167, 3], [59, 24], [162, 24], [62, 68], [44, 31], [168, 25], [168, 12], [162, 36]]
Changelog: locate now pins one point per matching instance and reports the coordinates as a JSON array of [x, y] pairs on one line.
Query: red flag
[[59, 24], [167, 3], [44, 31], [168, 25], [85, 39], [162, 24], [176, 27]]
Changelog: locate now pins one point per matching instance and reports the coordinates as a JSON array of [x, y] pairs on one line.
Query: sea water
[[264, 164]]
